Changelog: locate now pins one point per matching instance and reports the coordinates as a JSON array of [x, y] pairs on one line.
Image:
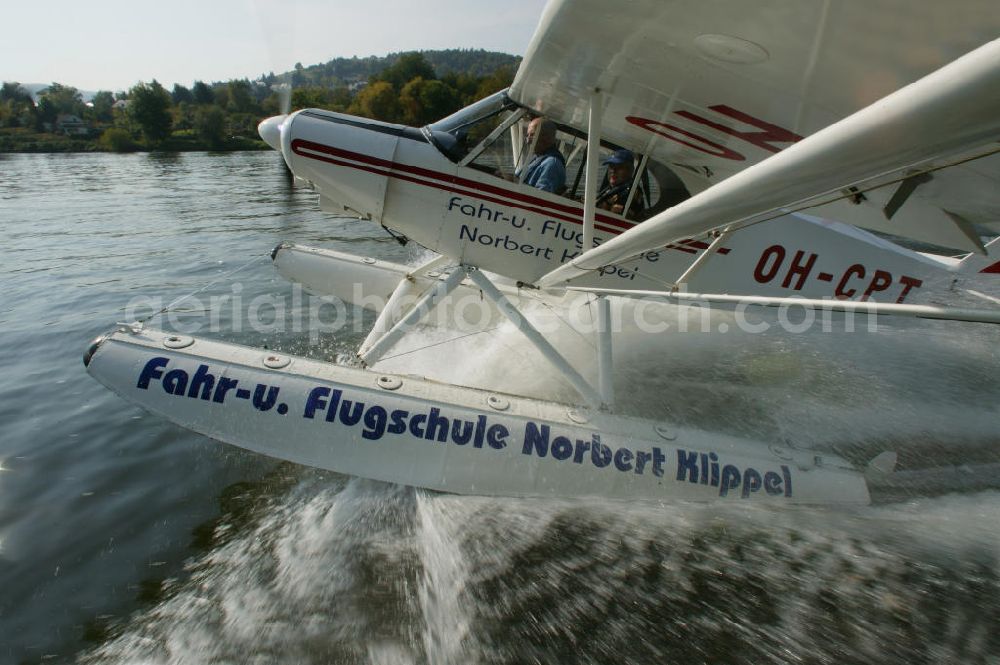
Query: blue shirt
[[547, 171]]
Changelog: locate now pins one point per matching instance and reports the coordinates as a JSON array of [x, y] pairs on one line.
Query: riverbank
[[21, 140]]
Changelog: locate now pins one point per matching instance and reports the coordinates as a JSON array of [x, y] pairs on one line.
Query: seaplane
[[765, 154]]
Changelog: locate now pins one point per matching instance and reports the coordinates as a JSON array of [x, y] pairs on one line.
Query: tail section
[[977, 263]]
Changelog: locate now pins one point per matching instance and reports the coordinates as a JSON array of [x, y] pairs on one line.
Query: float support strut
[[422, 307], [605, 360], [393, 310], [536, 338]]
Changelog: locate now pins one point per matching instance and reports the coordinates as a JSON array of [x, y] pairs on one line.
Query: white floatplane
[[748, 129]]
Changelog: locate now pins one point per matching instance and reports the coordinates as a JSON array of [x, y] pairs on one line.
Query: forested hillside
[[413, 88], [346, 71]]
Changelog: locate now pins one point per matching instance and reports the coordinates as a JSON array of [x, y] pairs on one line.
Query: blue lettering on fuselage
[[485, 212]]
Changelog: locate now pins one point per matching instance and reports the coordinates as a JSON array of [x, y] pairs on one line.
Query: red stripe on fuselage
[[995, 268]]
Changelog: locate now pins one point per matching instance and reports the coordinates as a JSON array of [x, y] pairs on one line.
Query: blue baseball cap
[[621, 157]]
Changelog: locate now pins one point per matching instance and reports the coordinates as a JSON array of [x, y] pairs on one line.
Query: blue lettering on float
[[415, 423], [497, 435], [151, 371], [437, 426], [562, 448], [772, 483], [730, 479], [398, 418], [225, 385], [703, 468], [375, 423], [260, 402], [316, 401], [751, 482], [200, 386], [175, 382], [538, 441], [202, 382], [351, 412], [687, 466], [461, 431], [600, 454], [623, 459]]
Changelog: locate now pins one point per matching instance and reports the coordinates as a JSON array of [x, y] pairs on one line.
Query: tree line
[[225, 115]]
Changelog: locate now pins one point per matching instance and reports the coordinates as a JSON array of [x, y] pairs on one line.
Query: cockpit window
[[464, 129], [491, 136], [631, 184]]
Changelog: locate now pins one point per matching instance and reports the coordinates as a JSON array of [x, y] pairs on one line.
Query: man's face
[[543, 143], [619, 173]]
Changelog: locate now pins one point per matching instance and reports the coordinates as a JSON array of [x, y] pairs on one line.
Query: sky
[[114, 44]]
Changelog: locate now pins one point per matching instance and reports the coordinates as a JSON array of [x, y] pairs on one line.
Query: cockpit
[[492, 136]]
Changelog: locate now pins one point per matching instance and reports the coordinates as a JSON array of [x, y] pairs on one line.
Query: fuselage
[[399, 177]]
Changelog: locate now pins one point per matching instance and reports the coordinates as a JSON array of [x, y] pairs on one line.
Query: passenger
[[547, 169], [621, 171]]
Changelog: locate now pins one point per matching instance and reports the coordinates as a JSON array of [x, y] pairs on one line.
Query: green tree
[[408, 67], [501, 78], [465, 84], [210, 124], [64, 99], [202, 93], [183, 115], [103, 102], [240, 96], [149, 108], [117, 139], [17, 108], [377, 100], [46, 114], [340, 98], [220, 96], [311, 97], [425, 101], [298, 76], [12, 91], [181, 95]]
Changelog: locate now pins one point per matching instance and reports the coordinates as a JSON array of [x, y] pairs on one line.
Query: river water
[[124, 539]]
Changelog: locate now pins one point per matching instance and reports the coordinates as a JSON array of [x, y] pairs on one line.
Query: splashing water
[[337, 571], [357, 571], [317, 568]]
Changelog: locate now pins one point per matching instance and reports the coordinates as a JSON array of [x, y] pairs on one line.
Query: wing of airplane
[[716, 88]]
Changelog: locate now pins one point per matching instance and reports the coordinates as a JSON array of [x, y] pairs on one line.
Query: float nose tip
[[92, 349], [270, 130]]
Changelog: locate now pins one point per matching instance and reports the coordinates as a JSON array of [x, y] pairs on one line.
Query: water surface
[[124, 539]]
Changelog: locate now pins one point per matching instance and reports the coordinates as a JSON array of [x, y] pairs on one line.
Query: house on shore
[[71, 125]]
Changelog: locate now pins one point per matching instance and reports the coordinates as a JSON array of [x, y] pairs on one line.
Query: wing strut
[[593, 155], [701, 260], [949, 111]]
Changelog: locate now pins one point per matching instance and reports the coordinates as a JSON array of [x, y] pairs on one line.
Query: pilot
[[621, 171], [547, 168]]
